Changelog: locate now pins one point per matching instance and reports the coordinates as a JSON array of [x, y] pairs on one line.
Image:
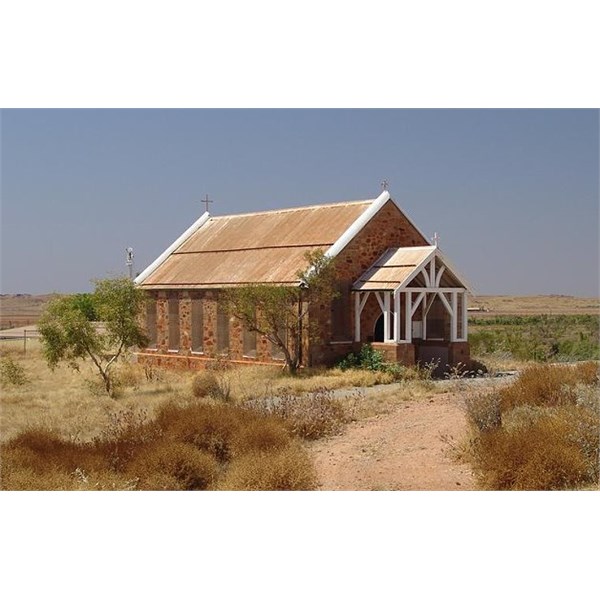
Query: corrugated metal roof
[[393, 268], [266, 247]]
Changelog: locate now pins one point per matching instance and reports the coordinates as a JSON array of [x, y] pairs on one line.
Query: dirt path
[[402, 450]]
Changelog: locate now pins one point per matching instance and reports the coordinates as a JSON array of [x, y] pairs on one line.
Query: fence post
[[24, 341]]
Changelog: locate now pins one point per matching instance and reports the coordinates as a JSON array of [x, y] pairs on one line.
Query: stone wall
[[389, 228]]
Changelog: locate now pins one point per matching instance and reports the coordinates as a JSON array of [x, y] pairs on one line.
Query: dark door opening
[[378, 332]]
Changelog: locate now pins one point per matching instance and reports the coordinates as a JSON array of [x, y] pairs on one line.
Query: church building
[[396, 291]]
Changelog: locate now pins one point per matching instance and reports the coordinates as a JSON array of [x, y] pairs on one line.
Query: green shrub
[[11, 372], [368, 358]]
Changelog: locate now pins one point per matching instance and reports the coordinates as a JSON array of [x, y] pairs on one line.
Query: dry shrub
[[204, 384], [587, 373], [173, 465], [483, 410], [541, 432], [542, 385], [16, 477], [310, 416], [129, 375], [128, 431], [187, 447], [41, 450], [260, 434], [543, 455], [205, 426], [284, 469], [215, 381], [550, 385]]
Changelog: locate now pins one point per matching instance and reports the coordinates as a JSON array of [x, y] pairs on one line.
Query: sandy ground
[[406, 449]]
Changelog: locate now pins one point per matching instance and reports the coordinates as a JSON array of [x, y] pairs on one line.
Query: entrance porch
[[422, 308]]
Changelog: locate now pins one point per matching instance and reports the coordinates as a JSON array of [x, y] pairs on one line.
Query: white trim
[[434, 289], [454, 271], [465, 319], [438, 277], [446, 303], [178, 242], [425, 276], [358, 225], [397, 323], [386, 318], [454, 318], [380, 301], [432, 271], [416, 303], [408, 318]]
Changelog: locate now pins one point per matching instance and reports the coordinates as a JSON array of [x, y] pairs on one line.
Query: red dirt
[[402, 450]]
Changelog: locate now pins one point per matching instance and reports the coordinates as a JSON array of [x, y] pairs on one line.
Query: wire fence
[[22, 337]]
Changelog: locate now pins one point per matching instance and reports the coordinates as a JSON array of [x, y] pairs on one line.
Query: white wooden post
[[397, 321], [454, 318], [386, 317], [465, 335], [425, 311], [407, 317]]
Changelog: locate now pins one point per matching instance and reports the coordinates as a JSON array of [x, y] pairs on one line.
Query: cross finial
[[384, 184], [207, 202], [436, 239]]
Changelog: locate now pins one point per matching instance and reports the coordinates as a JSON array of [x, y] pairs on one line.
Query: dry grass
[[285, 469], [60, 431], [540, 433], [73, 404], [535, 305], [193, 447]]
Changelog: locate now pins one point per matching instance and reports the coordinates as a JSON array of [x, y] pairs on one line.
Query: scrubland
[[222, 429], [541, 432], [253, 428]]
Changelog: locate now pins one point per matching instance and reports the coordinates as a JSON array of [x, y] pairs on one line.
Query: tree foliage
[[280, 313], [69, 335]]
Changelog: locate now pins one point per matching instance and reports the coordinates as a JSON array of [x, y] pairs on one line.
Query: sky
[[513, 194]]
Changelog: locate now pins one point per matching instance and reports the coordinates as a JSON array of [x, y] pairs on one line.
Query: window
[[340, 313], [249, 343], [197, 325], [151, 323], [276, 351], [222, 330], [173, 323]]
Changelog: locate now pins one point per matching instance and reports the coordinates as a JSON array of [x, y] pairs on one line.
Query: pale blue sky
[[512, 193]]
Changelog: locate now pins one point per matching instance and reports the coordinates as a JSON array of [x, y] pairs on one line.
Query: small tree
[[279, 313], [69, 335]]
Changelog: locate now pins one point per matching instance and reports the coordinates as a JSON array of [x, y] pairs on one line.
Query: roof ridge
[[295, 208]]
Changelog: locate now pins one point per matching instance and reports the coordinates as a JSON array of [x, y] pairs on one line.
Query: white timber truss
[[432, 269]]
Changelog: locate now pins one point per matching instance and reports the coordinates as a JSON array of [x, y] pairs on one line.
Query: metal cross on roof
[[384, 184], [207, 202]]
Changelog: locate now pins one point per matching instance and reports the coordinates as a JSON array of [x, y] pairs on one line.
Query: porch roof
[[397, 267]]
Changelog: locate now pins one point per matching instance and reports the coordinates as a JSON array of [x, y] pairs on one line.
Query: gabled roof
[[264, 247], [397, 268]]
